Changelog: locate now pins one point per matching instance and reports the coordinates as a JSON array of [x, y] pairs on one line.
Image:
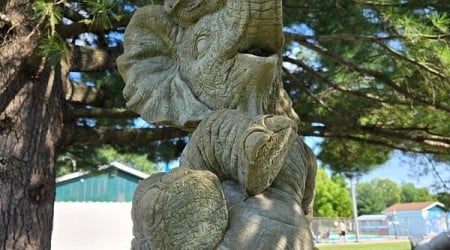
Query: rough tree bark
[[30, 130]]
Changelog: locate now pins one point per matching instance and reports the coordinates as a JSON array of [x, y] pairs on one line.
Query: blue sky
[[400, 168]]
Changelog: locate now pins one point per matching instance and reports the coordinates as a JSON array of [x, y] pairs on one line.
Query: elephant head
[[187, 58]]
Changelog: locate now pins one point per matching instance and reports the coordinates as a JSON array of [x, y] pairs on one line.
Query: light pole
[[395, 225], [354, 205]]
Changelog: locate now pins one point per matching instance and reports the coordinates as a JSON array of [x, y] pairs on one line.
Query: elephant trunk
[[258, 25]]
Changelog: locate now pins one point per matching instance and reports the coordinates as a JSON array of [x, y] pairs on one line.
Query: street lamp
[[354, 205]]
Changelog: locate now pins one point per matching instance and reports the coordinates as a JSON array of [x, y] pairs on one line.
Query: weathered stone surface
[[183, 209], [237, 147], [177, 72], [280, 217], [246, 180]]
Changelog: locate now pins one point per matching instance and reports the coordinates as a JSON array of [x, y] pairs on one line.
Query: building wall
[[109, 185], [435, 220], [92, 226], [421, 223], [410, 223]]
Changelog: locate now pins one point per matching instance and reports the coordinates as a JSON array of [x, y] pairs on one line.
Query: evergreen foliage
[[350, 158], [370, 76]]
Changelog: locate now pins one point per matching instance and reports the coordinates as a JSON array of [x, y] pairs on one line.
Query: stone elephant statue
[[246, 180], [188, 58]]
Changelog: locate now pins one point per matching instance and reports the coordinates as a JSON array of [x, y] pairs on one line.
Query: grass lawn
[[368, 246]]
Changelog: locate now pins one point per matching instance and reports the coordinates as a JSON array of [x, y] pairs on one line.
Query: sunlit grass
[[367, 246]]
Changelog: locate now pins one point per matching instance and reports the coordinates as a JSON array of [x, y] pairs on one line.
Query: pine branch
[[88, 25], [329, 132], [404, 4], [97, 113], [437, 173], [348, 37], [79, 93], [403, 134], [307, 90], [393, 145], [88, 59], [333, 37], [413, 61], [373, 39], [74, 135], [375, 74], [71, 13], [403, 138], [314, 74]]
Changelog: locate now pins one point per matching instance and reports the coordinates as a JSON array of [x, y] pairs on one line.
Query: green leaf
[[54, 49], [48, 11], [103, 12]]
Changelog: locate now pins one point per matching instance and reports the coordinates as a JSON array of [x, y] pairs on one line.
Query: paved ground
[[92, 226]]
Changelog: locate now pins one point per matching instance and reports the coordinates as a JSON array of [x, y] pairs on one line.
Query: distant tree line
[[333, 195]]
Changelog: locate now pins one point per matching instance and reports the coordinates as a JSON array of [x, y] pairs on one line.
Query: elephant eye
[[202, 45]]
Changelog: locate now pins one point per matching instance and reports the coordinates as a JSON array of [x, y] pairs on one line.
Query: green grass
[[367, 246]]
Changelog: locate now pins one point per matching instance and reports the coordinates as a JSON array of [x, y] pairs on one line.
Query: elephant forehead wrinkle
[[237, 7], [262, 14], [267, 20], [265, 7]]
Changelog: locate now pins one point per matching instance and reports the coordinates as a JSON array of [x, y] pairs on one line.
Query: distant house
[[115, 182], [419, 218]]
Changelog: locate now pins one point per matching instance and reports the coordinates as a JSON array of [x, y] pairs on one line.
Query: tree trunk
[[30, 130]]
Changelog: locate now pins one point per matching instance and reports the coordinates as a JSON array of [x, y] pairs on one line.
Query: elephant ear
[[153, 86], [187, 12]]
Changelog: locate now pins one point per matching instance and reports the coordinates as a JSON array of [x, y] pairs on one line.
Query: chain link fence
[[326, 230]]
